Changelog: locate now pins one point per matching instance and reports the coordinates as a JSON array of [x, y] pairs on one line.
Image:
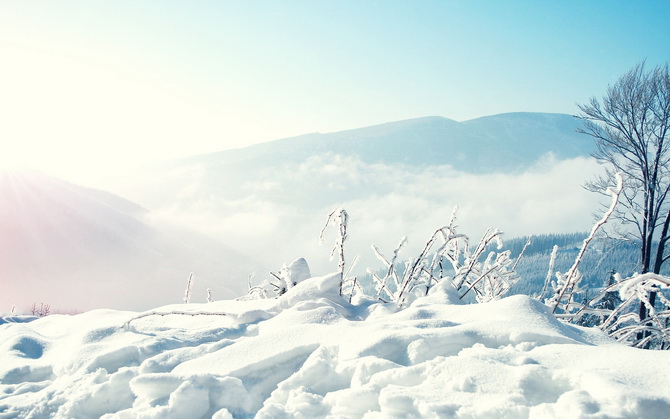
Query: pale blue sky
[[85, 82]]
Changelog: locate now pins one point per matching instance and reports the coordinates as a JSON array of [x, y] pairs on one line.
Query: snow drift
[[309, 353]]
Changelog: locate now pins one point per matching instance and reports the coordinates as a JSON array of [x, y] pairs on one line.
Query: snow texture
[[310, 354]]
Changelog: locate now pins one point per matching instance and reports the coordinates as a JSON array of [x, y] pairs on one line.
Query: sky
[[92, 89]]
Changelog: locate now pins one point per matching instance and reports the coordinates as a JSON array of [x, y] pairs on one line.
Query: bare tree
[[630, 128]]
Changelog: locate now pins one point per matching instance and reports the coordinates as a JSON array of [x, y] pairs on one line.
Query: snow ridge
[[310, 353]]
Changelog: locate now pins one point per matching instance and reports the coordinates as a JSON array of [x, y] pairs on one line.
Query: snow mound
[[310, 353]]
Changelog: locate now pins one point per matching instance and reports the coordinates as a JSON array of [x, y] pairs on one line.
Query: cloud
[[277, 215]]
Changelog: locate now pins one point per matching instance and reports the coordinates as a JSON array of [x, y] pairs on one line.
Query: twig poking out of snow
[[338, 217], [189, 286], [209, 296], [550, 272], [251, 275], [42, 311]]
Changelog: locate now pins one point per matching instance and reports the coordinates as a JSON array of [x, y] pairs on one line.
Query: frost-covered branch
[[340, 218], [391, 272], [624, 323], [488, 279], [550, 272], [568, 283], [471, 260], [525, 246]]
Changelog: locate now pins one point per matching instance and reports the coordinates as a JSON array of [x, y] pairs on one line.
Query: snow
[[310, 353]]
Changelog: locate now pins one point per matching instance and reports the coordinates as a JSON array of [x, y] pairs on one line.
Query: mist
[[277, 216], [232, 214]]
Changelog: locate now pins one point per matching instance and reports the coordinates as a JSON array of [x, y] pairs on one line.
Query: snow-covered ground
[[311, 354]]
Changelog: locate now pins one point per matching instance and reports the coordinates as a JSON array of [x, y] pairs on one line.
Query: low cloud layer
[[277, 215]]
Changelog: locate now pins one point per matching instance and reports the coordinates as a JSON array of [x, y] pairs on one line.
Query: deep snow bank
[[311, 354]]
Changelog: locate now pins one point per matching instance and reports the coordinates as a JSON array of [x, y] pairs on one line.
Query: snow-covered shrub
[[340, 218], [623, 323], [287, 277], [487, 279], [490, 279], [41, 311], [484, 277]]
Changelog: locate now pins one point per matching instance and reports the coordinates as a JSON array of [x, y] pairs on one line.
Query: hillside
[[601, 258], [77, 248]]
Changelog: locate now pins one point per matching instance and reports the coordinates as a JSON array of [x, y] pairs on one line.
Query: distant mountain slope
[[504, 142], [77, 248]]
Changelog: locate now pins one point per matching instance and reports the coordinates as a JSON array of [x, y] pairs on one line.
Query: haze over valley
[[238, 213]]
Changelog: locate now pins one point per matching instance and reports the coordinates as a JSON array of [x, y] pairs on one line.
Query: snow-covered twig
[[572, 277], [339, 217], [550, 273], [412, 275], [489, 279], [391, 272], [525, 246], [189, 286], [623, 322]]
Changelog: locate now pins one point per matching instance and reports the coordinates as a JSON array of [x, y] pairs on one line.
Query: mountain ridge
[[502, 142]]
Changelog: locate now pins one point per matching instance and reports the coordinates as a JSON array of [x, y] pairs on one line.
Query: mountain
[[512, 141], [505, 143], [77, 248]]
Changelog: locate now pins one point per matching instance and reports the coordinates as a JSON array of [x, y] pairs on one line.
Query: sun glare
[[12, 158]]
